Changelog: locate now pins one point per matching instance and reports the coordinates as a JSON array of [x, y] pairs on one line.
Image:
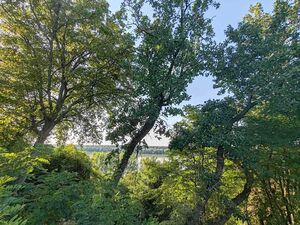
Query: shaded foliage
[[67, 65]]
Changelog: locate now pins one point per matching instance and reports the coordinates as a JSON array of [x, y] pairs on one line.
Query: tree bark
[[135, 140], [236, 201], [130, 147], [44, 133]]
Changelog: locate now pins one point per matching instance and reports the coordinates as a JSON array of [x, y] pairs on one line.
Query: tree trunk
[[236, 201], [44, 133], [214, 185], [130, 147], [197, 213]]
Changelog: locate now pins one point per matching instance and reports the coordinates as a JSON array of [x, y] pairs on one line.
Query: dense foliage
[[61, 63], [70, 67]]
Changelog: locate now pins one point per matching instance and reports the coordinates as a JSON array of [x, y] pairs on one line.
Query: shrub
[[49, 200], [104, 205], [10, 204], [68, 158]]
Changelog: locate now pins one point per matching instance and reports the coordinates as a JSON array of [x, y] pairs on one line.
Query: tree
[[208, 135], [271, 138], [172, 45], [61, 62], [258, 65]]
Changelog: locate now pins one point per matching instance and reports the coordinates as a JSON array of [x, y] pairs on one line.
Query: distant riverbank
[[151, 151]]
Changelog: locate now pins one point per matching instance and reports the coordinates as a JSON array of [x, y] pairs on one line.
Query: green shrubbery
[[50, 197], [11, 205], [70, 159], [62, 186], [65, 186]]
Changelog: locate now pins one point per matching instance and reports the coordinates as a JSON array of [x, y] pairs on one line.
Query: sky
[[230, 12]]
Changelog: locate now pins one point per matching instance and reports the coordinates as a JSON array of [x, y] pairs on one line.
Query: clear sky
[[230, 12]]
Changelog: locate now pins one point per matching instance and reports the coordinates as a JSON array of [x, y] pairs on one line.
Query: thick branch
[[236, 201], [249, 105]]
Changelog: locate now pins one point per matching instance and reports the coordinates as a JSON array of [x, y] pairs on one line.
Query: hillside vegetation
[[73, 71]]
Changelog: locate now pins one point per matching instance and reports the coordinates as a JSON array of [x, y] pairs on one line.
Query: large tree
[[258, 65], [272, 150], [171, 48], [208, 135], [61, 62]]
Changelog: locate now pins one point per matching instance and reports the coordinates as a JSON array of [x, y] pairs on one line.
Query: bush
[[10, 204], [50, 198], [57, 188], [104, 205], [68, 158]]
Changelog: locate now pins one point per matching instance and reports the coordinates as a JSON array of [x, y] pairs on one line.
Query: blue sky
[[230, 12]]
